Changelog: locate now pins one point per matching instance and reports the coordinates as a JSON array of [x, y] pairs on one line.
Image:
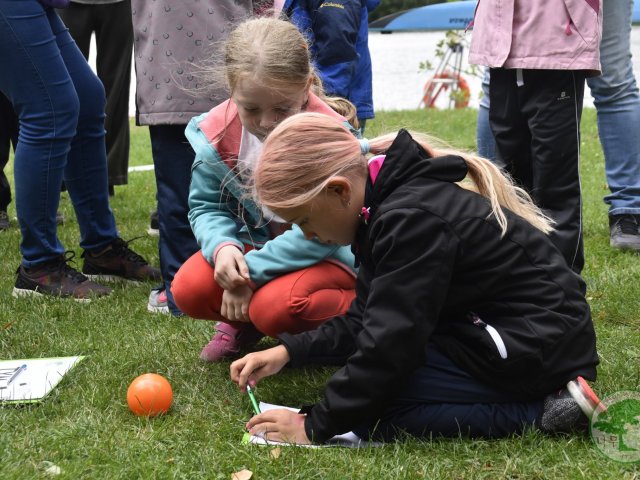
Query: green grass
[[85, 428]]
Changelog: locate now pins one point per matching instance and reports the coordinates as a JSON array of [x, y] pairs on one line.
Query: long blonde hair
[[275, 53], [306, 150]]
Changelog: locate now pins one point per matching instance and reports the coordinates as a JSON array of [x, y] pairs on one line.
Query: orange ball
[[149, 395]]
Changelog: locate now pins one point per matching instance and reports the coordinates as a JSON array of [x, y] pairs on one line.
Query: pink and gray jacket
[[535, 34]]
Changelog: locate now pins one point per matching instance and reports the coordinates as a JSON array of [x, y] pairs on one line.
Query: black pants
[[112, 25], [172, 159], [440, 398], [8, 135], [536, 124]]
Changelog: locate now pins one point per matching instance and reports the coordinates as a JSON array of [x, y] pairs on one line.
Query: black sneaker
[[625, 232], [57, 278], [570, 409], [116, 262], [5, 223], [154, 225]]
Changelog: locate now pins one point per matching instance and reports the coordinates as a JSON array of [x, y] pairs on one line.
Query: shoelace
[[67, 270], [122, 247], [627, 225]]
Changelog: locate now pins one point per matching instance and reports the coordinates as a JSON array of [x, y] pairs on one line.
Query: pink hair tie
[[364, 214]]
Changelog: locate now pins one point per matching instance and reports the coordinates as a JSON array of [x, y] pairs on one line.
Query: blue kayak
[[442, 16]]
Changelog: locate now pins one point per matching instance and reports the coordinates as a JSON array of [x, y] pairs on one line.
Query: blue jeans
[[486, 144], [60, 106], [617, 100], [440, 399], [172, 159]]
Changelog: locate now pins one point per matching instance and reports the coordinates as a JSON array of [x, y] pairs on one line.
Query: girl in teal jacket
[[255, 274]]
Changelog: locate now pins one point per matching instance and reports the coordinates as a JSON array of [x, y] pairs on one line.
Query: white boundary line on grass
[[140, 168]]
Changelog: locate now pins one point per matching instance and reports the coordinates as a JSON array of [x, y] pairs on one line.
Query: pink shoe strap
[[228, 329]]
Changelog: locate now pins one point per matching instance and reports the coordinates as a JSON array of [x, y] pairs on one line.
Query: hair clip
[[364, 214], [364, 145]]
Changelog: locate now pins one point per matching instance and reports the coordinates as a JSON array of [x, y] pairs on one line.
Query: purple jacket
[[537, 34]]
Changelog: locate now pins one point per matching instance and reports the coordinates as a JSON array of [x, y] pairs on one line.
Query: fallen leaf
[[275, 452], [242, 475]]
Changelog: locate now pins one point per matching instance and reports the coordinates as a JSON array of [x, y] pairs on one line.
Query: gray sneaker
[[570, 409], [158, 302], [625, 232], [57, 278]]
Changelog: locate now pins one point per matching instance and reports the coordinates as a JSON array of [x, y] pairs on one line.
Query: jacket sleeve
[[335, 26], [210, 216], [412, 253], [211, 222], [289, 252]]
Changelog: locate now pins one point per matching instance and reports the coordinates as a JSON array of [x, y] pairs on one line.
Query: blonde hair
[[306, 150], [275, 53]]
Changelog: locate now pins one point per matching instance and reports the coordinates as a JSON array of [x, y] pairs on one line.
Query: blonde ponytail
[[306, 150]]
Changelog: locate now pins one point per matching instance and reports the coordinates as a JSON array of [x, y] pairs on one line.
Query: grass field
[[85, 428]]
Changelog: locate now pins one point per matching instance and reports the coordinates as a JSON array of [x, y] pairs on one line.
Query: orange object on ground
[[149, 395]]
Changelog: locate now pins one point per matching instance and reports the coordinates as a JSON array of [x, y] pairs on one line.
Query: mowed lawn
[[85, 428]]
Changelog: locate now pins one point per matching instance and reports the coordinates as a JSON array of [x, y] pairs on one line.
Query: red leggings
[[292, 303]]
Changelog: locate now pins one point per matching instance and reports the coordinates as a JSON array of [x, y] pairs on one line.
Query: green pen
[[252, 397]]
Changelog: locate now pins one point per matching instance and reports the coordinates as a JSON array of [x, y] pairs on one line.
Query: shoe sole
[[627, 247], [153, 232], [23, 293], [159, 310], [585, 397], [113, 279]]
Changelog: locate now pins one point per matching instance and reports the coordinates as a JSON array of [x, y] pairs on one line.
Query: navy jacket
[[338, 33], [435, 268]]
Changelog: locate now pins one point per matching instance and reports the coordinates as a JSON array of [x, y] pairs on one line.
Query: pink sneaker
[[229, 340]]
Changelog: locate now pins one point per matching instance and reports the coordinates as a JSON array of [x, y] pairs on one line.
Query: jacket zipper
[[493, 333]]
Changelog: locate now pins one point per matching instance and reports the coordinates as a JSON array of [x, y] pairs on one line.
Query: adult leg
[[85, 174], [509, 126], [114, 45], [47, 107], [552, 101], [8, 136], [485, 142], [78, 18], [440, 399], [172, 158], [617, 101]]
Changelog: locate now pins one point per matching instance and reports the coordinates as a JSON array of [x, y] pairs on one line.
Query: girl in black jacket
[[467, 319]]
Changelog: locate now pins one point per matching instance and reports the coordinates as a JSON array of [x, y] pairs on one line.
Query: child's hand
[[235, 304], [231, 269], [279, 425], [257, 365]]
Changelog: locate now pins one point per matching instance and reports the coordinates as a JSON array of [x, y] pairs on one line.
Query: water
[[397, 80]]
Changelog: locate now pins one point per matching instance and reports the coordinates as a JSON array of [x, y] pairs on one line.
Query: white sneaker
[[158, 302]]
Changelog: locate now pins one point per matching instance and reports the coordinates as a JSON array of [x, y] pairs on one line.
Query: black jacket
[[434, 268]]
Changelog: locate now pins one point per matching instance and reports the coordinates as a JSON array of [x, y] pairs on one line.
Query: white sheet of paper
[[36, 380], [350, 439]]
